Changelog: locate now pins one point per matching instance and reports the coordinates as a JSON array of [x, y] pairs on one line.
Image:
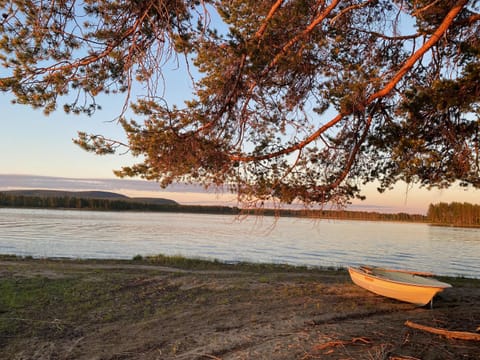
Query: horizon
[[190, 194]]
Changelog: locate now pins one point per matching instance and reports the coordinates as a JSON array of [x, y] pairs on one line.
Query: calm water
[[85, 234]]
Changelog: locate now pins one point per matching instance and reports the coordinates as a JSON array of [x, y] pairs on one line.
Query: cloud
[[59, 183]]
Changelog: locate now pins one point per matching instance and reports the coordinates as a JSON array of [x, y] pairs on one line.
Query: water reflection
[[55, 233]]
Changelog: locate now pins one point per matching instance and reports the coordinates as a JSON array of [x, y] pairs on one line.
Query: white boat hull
[[399, 285]]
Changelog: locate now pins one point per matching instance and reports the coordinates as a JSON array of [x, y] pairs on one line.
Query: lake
[[297, 241]]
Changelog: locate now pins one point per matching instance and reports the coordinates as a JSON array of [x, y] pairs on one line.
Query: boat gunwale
[[362, 272]]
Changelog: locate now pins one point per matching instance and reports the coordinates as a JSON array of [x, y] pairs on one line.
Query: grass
[[42, 304], [39, 305], [23, 302], [207, 264], [46, 307], [185, 263]]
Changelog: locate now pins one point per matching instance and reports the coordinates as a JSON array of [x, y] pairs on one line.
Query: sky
[[39, 151]]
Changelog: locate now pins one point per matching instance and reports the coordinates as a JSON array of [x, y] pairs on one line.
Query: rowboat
[[408, 286]]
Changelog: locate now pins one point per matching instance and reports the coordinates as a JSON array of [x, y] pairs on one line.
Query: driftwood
[[460, 335]]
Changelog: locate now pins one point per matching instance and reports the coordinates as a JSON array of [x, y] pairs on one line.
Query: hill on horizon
[[105, 195]]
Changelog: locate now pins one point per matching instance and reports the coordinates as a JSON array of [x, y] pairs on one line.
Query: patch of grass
[[184, 263], [50, 308], [461, 281], [30, 304], [6, 257], [264, 279], [215, 264]]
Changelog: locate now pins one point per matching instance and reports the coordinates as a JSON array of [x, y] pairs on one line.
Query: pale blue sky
[[33, 143], [42, 145]]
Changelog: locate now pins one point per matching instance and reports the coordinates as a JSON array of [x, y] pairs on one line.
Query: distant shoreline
[[109, 201], [455, 226]]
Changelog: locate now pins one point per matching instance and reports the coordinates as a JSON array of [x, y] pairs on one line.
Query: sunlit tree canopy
[[292, 100]]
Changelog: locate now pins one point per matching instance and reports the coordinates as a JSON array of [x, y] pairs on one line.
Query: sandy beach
[[65, 309]]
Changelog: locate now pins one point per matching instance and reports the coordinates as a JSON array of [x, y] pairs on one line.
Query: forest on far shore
[[454, 214]]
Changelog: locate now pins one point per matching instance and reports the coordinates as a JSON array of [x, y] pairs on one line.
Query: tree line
[[340, 215], [105, 204], [71, 202], [102, 204], [454, 214]]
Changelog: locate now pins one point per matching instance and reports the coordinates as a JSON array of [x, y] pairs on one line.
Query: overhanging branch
[[386, 90]]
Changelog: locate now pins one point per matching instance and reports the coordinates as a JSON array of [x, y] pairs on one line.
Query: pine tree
[[300, 100]]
